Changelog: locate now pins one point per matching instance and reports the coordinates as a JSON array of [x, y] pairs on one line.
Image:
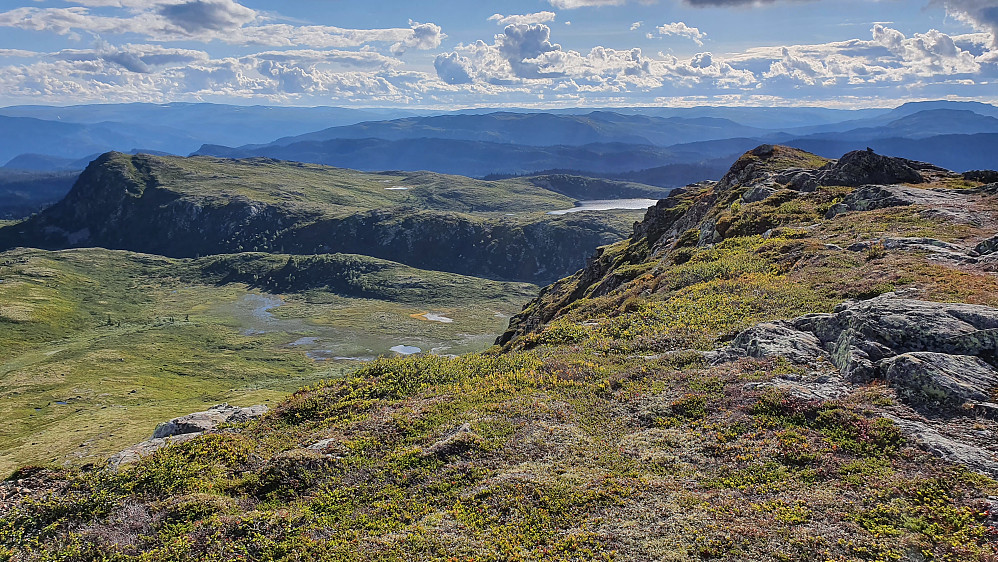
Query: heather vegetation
[[608, 425], [100, 345]]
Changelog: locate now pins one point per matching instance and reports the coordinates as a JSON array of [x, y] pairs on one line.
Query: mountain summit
[[792, 363]]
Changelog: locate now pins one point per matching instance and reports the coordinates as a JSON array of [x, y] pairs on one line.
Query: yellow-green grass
[[587, 441], [328, 188], [129, 340]]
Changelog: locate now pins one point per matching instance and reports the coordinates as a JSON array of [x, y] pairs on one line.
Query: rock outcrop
[[185, 428], [863, 167], [940, 359], [933, 353], [199, 422], [870, 197]]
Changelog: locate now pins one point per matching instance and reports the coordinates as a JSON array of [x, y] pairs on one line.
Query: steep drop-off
[[199, 206]]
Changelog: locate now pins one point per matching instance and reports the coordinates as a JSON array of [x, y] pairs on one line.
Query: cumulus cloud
[[525, 56], [453, 68], [211, 20], [982, 14], [208, 15], [522, 64], [523, 19], [636, 25], [682, 30], [926, 54], [424, 36]]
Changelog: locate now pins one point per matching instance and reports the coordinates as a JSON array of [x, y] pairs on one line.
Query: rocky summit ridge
[[797, 362]]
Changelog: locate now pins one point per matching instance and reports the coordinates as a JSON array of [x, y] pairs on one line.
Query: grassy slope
[[337, 190], [175, 341], [584, 442]]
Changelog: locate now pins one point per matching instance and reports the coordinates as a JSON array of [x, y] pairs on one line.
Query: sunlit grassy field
[[99, 346]]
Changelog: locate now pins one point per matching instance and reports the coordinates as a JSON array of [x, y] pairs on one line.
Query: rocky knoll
[[937, 354], [184, 428]]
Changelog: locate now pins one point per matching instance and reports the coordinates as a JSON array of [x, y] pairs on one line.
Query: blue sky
[[529, 53]]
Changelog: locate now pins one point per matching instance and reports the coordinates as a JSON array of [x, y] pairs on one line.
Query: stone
[[776, 339], [987, 410], [988, 246], [867, 167], [931, 352], [938, 248], [973, 457], [871, 197], [906, 325], [185, 428], [207, 420], [941, 378], [455, 442], [758, 193], [146, 448], [983, 176], [328, 447]]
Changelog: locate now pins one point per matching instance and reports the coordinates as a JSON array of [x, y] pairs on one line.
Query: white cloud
[[982, 14], [211, 20], [523, 19], [521, 65], [926, 54], [198, 16], [19, 53], [682, 30], [636, 25]]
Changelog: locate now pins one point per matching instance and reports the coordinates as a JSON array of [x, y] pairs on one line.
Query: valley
[[165, 287], [798, 356], [100, 346]]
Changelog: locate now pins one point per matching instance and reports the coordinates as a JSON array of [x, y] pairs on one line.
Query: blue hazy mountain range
[[655, 145]]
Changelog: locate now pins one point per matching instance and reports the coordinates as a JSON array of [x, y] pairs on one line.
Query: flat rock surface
[[185, 428], [207, 420], [941, 377]]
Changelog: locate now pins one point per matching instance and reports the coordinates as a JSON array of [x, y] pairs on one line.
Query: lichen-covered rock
[[185, 428], [905, 325], [199, 422], [145, 448], [758, 193], [871, 197], [862, 167], [776, 339], [940, 377], [973, 457], [932, 352]]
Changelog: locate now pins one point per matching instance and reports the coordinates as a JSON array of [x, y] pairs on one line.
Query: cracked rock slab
[[973, 457], [871, 197], [939, 377]]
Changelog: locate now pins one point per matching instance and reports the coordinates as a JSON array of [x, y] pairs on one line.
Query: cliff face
[[133, 203]]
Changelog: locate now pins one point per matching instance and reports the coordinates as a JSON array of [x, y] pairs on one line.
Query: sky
[[516, 53]]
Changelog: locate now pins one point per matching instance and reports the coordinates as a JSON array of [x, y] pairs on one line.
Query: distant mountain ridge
[[539, 129]]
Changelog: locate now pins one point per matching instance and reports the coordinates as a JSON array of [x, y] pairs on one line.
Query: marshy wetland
[[99, 345]]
